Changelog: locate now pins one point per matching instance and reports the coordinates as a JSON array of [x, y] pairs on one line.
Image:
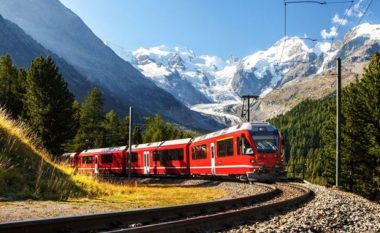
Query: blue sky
[[216, 27]]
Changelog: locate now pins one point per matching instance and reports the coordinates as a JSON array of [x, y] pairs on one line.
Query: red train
[[248, 150]]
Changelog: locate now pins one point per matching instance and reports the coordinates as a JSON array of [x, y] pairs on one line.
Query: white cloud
[[338, 20], [329, 34], [356, 10]]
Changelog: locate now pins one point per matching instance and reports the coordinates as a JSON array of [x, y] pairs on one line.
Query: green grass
[[25, 168], [27, 172]]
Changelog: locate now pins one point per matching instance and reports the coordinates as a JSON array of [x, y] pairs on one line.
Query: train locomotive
[[250, 151]]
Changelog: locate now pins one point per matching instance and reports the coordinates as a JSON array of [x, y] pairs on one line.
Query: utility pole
[[245, 111], [130, 143], [338, 121]]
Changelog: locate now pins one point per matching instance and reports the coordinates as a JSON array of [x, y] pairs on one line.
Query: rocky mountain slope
[[355, 50], [24, 49], [61, 31]]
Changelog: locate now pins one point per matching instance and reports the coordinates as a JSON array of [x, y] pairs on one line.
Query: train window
[[225, 147], [134, 157], [87, 159], [243, 147], [106, 158], [199, 152], [167, 155]]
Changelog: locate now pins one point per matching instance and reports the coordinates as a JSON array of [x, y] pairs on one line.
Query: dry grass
[[26, 171], [141, 195]]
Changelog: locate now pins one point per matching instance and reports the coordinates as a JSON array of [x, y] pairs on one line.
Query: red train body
[[251, 150]]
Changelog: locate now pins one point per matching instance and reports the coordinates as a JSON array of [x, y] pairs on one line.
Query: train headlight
[[253, 161]]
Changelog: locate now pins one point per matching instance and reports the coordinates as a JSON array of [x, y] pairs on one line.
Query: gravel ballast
[[330, 211], [23, 210]]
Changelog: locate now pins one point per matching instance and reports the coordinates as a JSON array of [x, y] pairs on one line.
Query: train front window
[[243, 146], [266, 143]]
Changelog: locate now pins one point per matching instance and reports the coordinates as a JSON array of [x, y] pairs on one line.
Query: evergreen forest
[[309, 135]]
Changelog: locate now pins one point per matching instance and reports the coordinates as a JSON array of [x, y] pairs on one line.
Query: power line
[[309, 38], [285, 37], [319, 2], [341, 23], [359, 21], [365, 12]]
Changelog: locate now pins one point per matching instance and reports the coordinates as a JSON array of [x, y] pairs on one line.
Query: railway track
[[200, 217]]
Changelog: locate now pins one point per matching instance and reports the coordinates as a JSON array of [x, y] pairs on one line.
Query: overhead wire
[[341, 23], [285, 33], [320, 2], [308, 38], [360, 19]]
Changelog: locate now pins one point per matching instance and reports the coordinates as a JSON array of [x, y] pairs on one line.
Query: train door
[[146, 162], [96, 167], [212, 159]]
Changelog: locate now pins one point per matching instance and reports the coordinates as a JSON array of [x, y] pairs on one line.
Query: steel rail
[[219, 221], [98, 222]]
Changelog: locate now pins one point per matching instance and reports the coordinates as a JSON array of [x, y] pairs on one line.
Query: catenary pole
[[130, 143], [338, 121]]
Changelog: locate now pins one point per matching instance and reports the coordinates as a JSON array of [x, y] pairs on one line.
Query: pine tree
[[91, 131], [137, 135], [362, 130], [113, 136], [155, 129], [124, 132], [48, 104], [11, 86]]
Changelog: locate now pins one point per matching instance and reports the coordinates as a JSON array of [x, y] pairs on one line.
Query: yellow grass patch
[[27, 171]]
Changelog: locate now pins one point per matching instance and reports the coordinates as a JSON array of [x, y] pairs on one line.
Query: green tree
[[361, 131], [91, 131], [156, 129], [11, 86], [137, 135], [124, 132], [113, 136], [48, 104]]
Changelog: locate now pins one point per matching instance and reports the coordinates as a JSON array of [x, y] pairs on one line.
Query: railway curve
[[183, 218]]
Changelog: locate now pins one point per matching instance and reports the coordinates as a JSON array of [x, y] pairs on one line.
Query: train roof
[[163, 143], [251, 126], [68, 155], [105, 150]]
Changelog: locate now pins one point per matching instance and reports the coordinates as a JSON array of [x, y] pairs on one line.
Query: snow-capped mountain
[[210, 79], [190, 78], [264, 70], [212, 85]]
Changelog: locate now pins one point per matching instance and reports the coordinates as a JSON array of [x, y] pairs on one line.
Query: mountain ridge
[[260, 73], [59, 30]]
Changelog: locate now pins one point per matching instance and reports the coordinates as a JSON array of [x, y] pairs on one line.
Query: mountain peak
[[371, 31]]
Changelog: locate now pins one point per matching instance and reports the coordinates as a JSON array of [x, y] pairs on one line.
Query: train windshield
[[266, 143]]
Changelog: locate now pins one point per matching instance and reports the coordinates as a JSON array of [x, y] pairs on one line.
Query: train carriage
[[250, 149], [111, 160], [165, 157]]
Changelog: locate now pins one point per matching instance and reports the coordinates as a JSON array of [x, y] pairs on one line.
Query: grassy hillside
[[25, 168], [26, 171]]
